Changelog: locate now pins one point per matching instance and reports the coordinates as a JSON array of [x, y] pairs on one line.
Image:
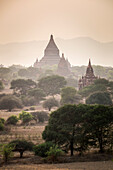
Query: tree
[[40, 116], [98, 123], [22, 86], [64, 127], [21, 146], [38, 94], [12, 120], [99, 98], [78, 127], [10, 102], [50, 103], [69, 96], [25, 117], [51, 85]]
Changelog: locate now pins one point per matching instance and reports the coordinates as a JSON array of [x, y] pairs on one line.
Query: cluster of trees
[[81, 127], [48, 149], [100, 92], [25, 117]]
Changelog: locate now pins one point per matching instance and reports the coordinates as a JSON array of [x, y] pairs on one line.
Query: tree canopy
[[22, 86], [69, 96], [51, 85], [49, 103], [37, 93], [77, 128], [10, 102], [102, 98]]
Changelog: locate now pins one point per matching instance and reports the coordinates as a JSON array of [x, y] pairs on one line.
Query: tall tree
[[69, 96], [99, 125], [22, 86], [51, 85], [64, 126]]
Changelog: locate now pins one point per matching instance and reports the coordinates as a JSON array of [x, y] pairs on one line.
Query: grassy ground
[[67, 166]]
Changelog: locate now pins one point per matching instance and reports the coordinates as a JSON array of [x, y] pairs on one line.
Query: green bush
[[6, 152], [25, 117], [1, 126], [53, 153], [2, 120], [12, 120], [42, 149]]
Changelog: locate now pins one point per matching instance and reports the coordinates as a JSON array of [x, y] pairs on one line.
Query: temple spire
[[89, 63], [51, 37]]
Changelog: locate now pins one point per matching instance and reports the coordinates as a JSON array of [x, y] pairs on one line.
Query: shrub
[[21, 146], [42, 149], [25, 117], [12, 120], [10, 102], [1, 126], [6, 152], [53, 153], [2, 120]]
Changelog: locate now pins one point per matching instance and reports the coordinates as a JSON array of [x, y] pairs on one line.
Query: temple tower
[[89, 77], [51, 54]]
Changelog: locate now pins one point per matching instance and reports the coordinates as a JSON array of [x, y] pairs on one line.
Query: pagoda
[[63, 67], [89, 78], [51, 55]]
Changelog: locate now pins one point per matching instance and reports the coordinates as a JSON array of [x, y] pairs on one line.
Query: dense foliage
[[51, 85], [10, 102], [42, 149], [103, 98], [77, 128], [69, 96], [12, 120]]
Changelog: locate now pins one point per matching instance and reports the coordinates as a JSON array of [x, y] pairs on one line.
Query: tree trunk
[[21, 154], [71, 148], [100, 139]]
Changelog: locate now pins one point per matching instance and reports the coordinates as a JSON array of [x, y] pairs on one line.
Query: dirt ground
[[105, 165]]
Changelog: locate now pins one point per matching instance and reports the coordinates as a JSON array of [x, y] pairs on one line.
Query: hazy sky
[[26, 20]]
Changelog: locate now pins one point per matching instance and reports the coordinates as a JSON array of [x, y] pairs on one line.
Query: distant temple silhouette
[[52, 57], [64, 67], [89, 78]]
